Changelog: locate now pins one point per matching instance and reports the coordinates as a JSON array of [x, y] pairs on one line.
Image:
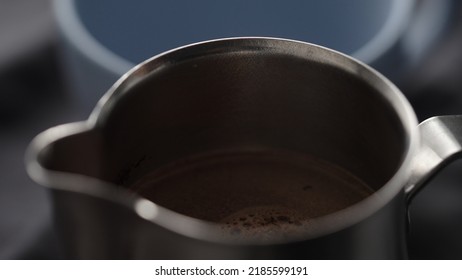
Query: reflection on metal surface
[[146, 209], [441, 142]]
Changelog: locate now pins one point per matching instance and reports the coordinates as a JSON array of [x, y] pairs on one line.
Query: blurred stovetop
[[33, 97]]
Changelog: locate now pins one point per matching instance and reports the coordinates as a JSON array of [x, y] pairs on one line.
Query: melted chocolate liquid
[[253, 193]]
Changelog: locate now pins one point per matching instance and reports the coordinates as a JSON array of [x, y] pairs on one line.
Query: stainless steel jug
[[231, 93]]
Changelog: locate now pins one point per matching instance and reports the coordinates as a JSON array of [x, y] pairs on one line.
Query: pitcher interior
[[248, 101]]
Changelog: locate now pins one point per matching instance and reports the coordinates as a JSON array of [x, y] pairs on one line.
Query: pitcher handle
[[440, 143]]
